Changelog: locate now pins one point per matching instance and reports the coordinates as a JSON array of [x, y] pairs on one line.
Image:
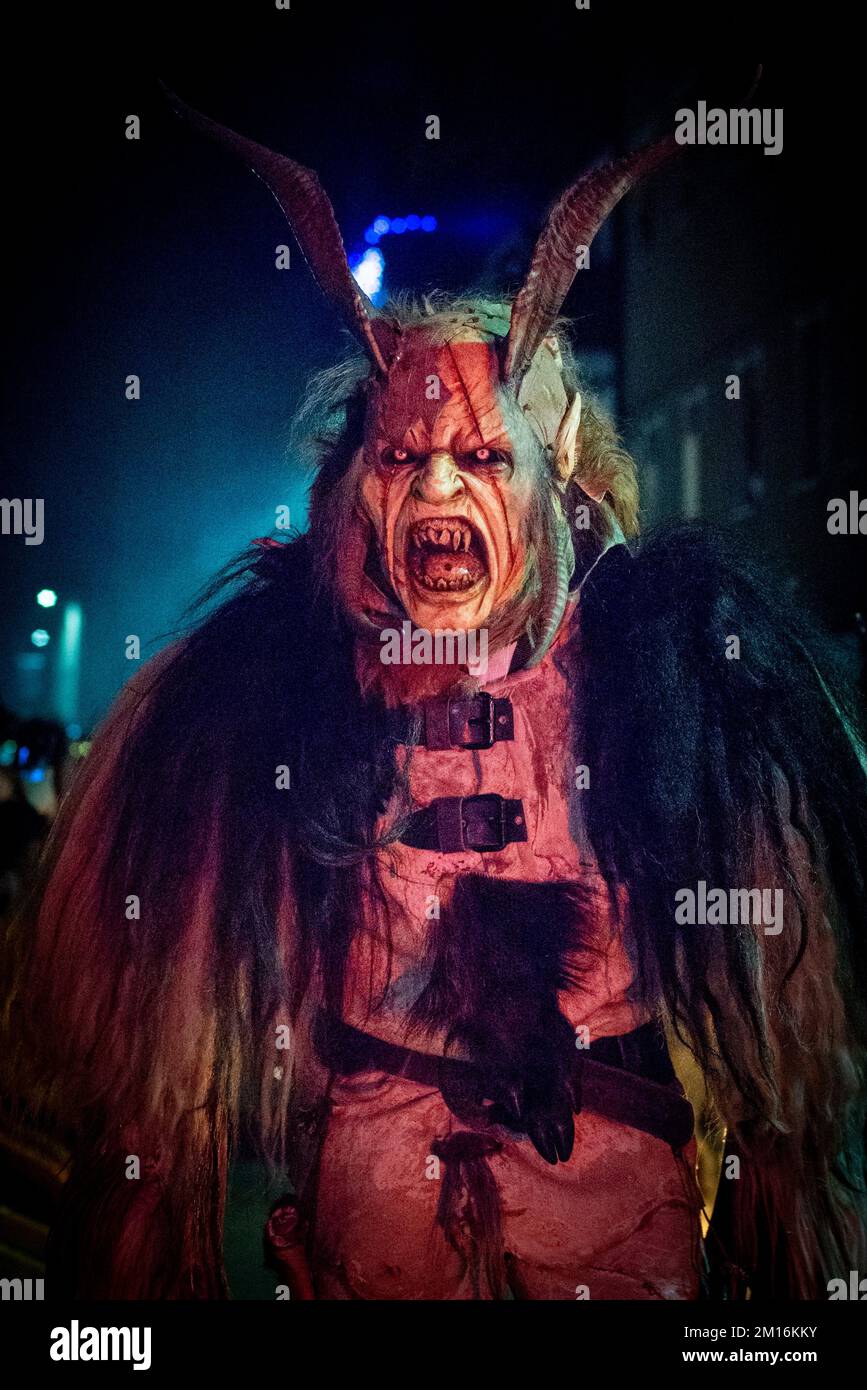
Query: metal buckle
[[491, 827], [446, 726], [485, 737], [462, 824]]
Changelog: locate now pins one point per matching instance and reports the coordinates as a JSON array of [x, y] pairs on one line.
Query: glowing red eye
[[486, 455], [391, 457]]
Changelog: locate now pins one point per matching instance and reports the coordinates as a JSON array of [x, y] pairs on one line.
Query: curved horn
[[556, 575], [309, 213], [573, 221]]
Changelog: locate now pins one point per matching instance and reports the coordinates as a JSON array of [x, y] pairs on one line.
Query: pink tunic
[[619, 1219], [537, 767]]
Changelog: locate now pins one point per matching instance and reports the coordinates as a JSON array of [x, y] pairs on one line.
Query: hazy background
[[156, 257]]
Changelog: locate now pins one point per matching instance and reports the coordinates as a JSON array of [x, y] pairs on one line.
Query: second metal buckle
[[477, 823]]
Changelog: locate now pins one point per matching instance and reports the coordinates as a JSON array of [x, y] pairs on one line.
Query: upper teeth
[[455, 534]]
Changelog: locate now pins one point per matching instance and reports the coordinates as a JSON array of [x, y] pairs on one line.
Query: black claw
[[543, 1142], [566, 1139]]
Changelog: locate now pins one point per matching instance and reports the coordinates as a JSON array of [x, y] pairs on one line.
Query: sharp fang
[[444, 537], [456, 539], [467, 539]]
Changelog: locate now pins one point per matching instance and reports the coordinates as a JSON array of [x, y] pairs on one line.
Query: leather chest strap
[[649, 1099], [455, 824], [477, 721]]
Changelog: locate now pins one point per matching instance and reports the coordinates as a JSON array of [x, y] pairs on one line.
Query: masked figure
[[438, 828]]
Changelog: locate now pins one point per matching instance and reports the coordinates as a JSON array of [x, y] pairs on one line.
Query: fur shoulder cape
[[190, 897]]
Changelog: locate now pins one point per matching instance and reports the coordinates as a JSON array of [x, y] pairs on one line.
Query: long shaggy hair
[[193, 901], [742, 772], [187, 899]]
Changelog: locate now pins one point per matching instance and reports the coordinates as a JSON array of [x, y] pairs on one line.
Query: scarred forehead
[[436, 391], [443, 395]]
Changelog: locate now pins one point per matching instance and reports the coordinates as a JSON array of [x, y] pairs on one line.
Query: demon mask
[[454, 504]]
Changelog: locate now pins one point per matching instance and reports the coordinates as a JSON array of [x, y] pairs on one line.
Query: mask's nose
[[439, 480]]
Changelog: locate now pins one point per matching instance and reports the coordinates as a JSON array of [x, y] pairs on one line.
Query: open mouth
[[446, 554]]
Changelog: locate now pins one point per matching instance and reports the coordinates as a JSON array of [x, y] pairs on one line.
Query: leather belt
[[452, 824], [477, 721], [650, 1099]]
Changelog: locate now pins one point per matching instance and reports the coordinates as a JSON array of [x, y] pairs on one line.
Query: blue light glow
[[367, 262], [46, 598], [40, 638], [381, 226], [369, 271]]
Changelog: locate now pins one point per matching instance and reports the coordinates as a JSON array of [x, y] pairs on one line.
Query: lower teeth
[[440, 585]]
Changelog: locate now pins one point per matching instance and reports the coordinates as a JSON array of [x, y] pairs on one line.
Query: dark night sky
[[156, 257]]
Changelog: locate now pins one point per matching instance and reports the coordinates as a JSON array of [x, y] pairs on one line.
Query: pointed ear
[[566, 443], [567, 453]]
